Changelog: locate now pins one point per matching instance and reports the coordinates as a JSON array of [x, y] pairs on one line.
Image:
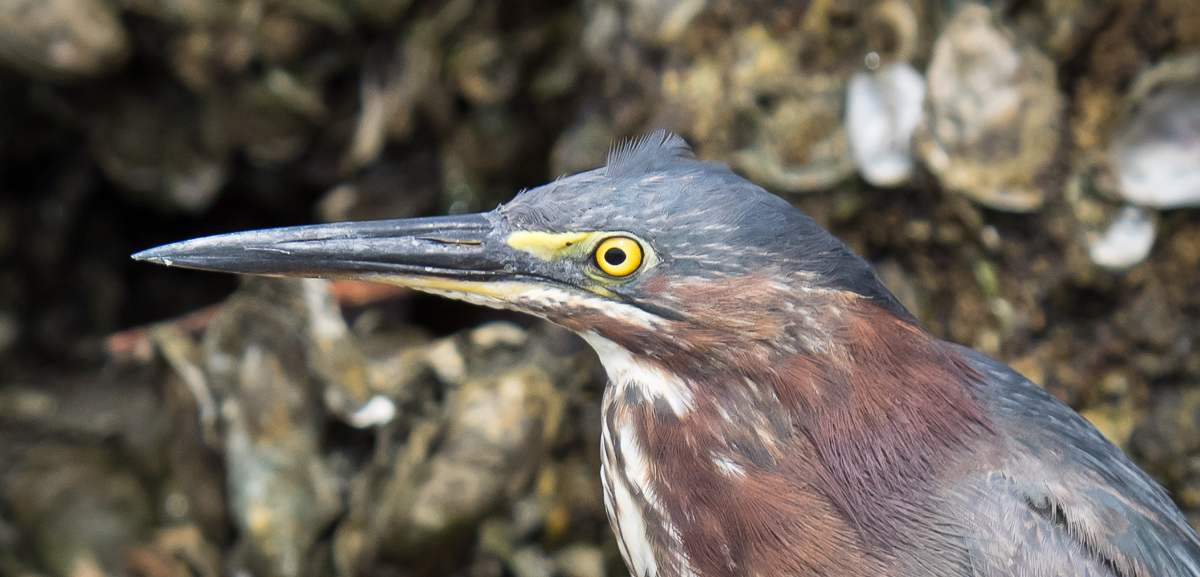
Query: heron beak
[[449, 254]]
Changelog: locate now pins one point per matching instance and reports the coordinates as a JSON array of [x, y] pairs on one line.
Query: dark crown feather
[[655, 151]]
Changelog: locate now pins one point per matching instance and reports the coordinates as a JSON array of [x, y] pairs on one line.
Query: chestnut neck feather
[[877, 406], [885, 425]]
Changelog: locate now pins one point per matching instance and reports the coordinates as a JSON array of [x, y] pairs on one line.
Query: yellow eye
[[619, 256]]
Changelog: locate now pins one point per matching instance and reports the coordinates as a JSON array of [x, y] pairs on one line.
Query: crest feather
[[655, 151]]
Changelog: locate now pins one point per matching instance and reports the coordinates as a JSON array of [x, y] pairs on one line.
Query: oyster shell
[[993, 113]]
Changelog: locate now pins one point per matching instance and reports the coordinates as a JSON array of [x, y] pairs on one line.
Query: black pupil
[[614, 256]]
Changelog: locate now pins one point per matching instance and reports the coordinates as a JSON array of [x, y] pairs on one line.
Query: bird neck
[[887, 411], [867, 418]]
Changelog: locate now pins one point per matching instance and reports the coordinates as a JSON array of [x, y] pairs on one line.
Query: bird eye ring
[[619, 256]]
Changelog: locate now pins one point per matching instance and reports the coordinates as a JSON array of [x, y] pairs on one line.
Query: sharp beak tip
[[160, 255], [150, 255]]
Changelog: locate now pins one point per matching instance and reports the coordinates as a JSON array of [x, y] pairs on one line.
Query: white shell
[[883, 109], [1156, 155], [379, 410], [1127, 240]]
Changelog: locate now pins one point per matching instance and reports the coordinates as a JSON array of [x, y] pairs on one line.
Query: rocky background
[[1025, 174]]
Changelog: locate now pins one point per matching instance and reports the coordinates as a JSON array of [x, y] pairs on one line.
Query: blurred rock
[[164, 148], [270, 120], [485, 143], [897, 280], [886, 103], [470, 422], [1116, 235], [895, 31], [1115, 415], [1127, 240], [394, 77], [283, 494], [993, 115], [583, 146], [485, 74], [660, 22], [335, 357], [768, 99], [122, 408], [1168, 442], [883, 109], [580, 561], [62, 39], [469, 457], [1059, 27], [389, 188], [176, 552], [79, 507], [1156, 152], [195, 493], [799, 141], [382, 12]]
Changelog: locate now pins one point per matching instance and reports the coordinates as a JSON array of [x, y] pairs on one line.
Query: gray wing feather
[[1066, 501]]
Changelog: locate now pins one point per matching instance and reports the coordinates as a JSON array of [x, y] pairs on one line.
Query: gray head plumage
[[704, 219]]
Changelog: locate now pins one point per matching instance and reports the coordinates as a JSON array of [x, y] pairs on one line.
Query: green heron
[[772, 409]]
